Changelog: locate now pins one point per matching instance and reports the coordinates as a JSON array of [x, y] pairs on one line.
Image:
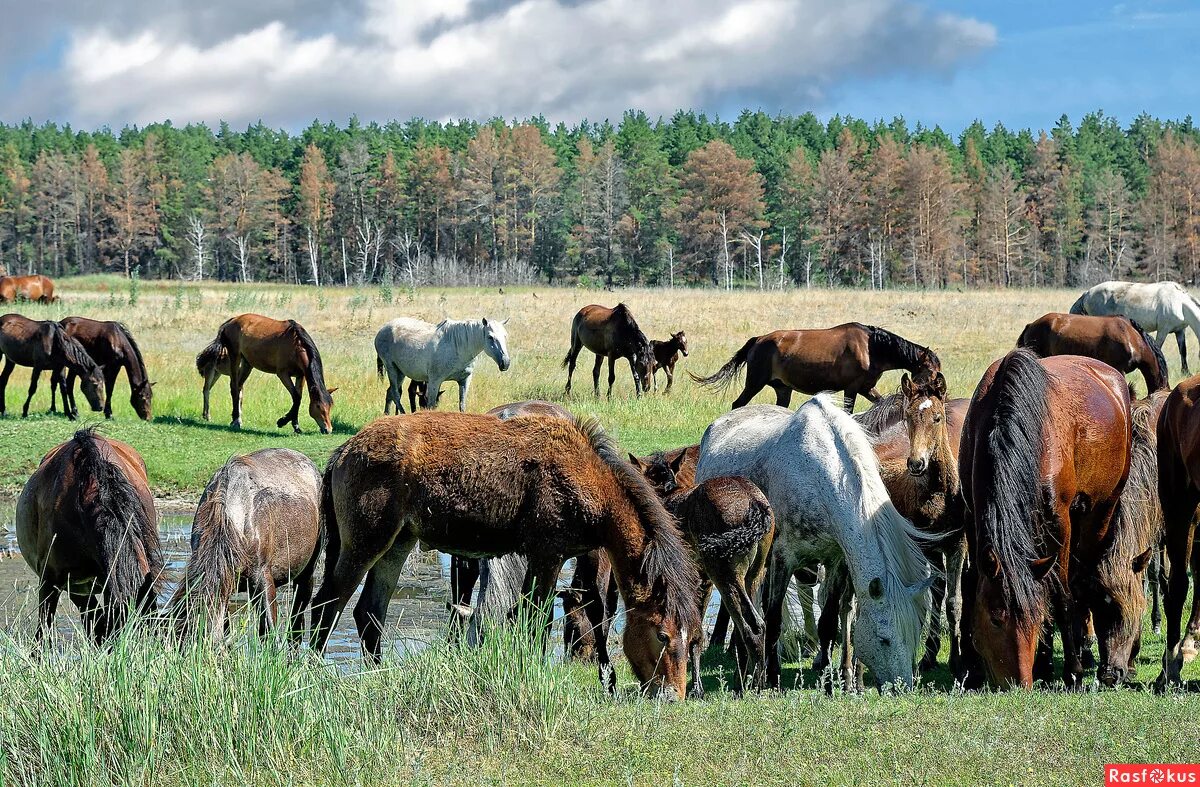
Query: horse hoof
[[236, 424], [280, 423], [296, 428], [928, 663]]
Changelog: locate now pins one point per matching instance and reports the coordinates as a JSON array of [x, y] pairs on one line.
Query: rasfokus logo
[[1153, 774]]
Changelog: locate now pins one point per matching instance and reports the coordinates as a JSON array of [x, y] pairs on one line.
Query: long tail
[[379, 365], [210, 577], [210, 356], [721, 379], [1078, 307], [328, 520]]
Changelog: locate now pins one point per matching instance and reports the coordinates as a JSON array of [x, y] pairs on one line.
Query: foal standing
[[666, 355]]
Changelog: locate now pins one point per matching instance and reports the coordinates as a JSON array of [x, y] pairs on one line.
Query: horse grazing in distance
[[111, 346], [279, 347], [86, 524], [666, 355], [27, 288], [849, 358], [1162, 307], [256, 528], [822, 478], [476, 486], [432, 354], [612, 334], [43, 345], [1044, 458], [1118, 341]]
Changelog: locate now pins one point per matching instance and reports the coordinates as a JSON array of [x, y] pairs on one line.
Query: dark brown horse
[[849, 358], [1044, 458], [1118, 341], [44, 345], [27, 288], [256, 528], [612, 334], [282, 348], [111, 345], [666, 355], [477, 486], [86, 525]]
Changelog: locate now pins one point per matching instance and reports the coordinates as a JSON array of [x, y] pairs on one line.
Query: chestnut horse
[[478, 486], [42, 345], [612, 334], [282, 348], [1044, 458], [849, 358], [256, 528], [86, 524], [27, 288], [666, 355], [111, 345], [1118, 341]]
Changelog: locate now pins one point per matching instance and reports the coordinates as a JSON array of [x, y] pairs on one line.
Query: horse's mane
[[315, 370], [1012, 513], [1159, 358], [624, 318], [460, 332], [76, 355], [881, 415], [123, 329], [909, 352], [666, 561]]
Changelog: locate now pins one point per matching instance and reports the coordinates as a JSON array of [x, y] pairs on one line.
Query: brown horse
[[27, 288], [44, 345], [86, 524], [1118, 341], [1044, 458], [279, 347], [849, 358], [612, 334], [477, 486], [111, 345], [666, 355], [256, 528]]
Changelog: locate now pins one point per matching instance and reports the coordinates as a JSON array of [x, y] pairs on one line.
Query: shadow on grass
[[339, 427]]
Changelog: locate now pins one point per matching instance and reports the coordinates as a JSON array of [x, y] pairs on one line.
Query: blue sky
[[286, 62]]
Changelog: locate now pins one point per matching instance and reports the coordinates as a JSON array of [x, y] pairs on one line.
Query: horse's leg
[[262, 589], [783, 393], [110, 380], [464, 574], [433, 392], [293, 414], [1178, 512], [370, 613], [336, 589], [464, 385], [302, 585], [933, 639], [1192, 630], [33, 383], [849, 398], [210, 379], [596, 374], [540, 580], [1181, 340], [1155, 590], [69, 394], [669, 371], [572, 356], [955, 559], [612, 373], [774, 594], [752, 655], [846, 619], [704, 595], [757, 378], [720, 630], [235, 388], [48, 594], [56, 382], [836, 586], [88, 605], [607, 597], [8, 367], [1066, 612]]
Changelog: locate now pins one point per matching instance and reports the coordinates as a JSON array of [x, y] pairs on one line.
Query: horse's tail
[[720, 379], [1160, 360], [211, 356], [210, 577], [1078, 306], [328, 519], [379, 365]]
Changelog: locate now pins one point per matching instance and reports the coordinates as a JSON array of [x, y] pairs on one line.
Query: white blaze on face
[[925, 405]]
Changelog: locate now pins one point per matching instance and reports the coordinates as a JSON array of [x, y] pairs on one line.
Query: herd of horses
[[1035, 508]]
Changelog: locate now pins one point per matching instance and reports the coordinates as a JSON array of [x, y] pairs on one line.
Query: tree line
[[764, 201]]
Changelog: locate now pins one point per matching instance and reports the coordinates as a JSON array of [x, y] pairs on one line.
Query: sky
[[1023, 63]]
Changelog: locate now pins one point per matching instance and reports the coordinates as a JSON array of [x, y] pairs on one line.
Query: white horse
[[1164, 307], [433, 354], [821, 475]]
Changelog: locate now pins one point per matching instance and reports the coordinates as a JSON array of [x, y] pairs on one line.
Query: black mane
[[315, 369], [908, 353]]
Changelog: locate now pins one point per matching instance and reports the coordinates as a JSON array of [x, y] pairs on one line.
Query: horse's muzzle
[[504, 364], [1110, 676], [917, 467]]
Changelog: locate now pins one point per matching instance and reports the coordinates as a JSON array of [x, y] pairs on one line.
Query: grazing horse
[[111, 345], [42, 345], [849, 358], [1118, 341], [666, 355], [727, 521], [86, 524], [612, 334], [1163, 307], [432, 354], [27, 288], [256, 528], [818, 470], [1044, 457], [477, 486], [279, 347]]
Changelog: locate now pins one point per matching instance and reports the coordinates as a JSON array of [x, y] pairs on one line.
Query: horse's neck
[[625, 540]]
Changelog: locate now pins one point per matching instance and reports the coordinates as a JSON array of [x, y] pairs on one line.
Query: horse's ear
[[875, 588], [1141, 561], [154, 383], [1041, 567], [633, 460], [939, 385], [504, 321], [906, 386], [677, 462], [485, 322], [332, 391]]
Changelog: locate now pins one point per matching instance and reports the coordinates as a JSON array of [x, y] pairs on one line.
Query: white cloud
[[477, 58]]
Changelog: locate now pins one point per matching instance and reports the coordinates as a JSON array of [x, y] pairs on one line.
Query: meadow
[[145, 713]]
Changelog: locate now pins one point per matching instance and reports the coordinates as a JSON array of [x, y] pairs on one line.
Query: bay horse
[[27, 288], [282, 348], [612, 334], [665, 355], [256, 528], [45, 345], [1118, 341], [86, 524], [822, 478], [850, 358], [1044, 458], [1164, 307], [112, 347], [432, 354], [477, 486]]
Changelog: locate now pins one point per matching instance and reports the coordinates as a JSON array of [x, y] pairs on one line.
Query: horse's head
[[495, 344], [928, 364], [1118, 602], [925, 419], [657, 648], [681, 342], [141, 398], [92, 384], [1007, 637], [320, 408], [659, 472], [881, 640]]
